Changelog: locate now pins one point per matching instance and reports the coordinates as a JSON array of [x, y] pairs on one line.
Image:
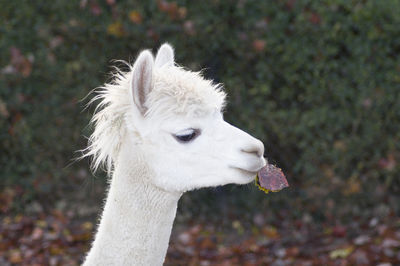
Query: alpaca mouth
[[247, 172], [249, 175], [251, 169]]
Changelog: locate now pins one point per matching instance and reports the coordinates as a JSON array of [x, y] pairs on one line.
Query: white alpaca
[[160, 132]]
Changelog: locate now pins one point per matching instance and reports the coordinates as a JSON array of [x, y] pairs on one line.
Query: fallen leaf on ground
[[341, 253]]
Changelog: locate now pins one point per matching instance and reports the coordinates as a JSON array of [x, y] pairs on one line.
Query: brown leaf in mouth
[[271, 178]]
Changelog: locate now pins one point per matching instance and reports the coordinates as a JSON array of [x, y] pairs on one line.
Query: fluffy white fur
[[137, 125]]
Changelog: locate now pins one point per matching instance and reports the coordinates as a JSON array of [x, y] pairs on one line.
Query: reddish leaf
[[21, 63], [290, 4], [95, 8], [388, 163], [315, 18], [259, 45], [339, 231], [110, 2], [271, 178], [135, 17]]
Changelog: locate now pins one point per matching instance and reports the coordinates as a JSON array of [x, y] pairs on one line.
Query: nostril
[[256, 152], [256, 149]]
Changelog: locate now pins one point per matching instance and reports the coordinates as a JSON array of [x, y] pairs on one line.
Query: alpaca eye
[[187, 135]]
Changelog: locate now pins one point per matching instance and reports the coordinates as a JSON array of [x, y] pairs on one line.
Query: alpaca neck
[[137, 219]]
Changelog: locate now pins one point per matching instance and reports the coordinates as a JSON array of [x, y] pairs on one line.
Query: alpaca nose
[[255, 147]]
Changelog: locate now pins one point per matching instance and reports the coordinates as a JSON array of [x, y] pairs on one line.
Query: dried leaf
[[95, 9], [238, 226], [88, 226], [361, 240], [315, 18], [15, 256], [271, 178], [37, 233], [341, 253], [353, 186], [20, 62], [207, 243], [182, 11], [171, 8], [389, 243], [3, 109], [388, 163], [271, 232], [339, 231], [135, 17], [41, 223], [259, 45], [110, 2], [116, 29], [55, 250], [163, 5]]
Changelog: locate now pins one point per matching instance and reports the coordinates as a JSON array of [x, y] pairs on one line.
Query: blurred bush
[[317, 81]]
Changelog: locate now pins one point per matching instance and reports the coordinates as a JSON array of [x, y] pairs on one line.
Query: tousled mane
[[108, 120]]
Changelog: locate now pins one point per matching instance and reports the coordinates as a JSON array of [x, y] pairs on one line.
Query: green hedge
[[317, 81]]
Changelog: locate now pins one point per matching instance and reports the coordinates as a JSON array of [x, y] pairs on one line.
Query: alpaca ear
[[165, 56], [142, 80]]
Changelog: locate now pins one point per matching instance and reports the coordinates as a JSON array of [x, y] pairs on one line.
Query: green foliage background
[[317, 81]]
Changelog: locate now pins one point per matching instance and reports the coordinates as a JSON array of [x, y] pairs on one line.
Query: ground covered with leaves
[[55, 237]]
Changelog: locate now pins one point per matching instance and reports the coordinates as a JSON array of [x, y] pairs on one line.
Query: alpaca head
[[173, 118]]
